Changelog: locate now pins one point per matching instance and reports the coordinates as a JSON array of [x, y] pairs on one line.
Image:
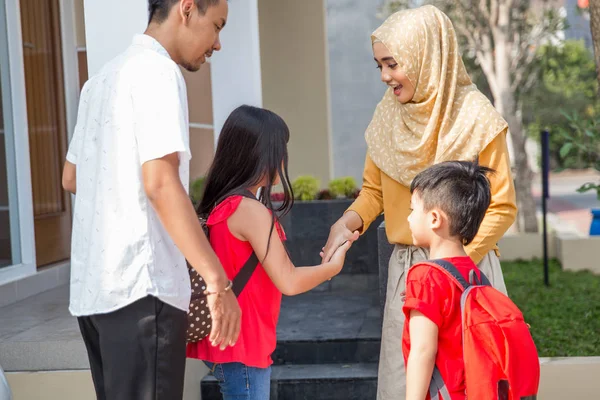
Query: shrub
[[343, 187], [197, 190], [277, 196], [324, 194], [583, 137], [305, 188]]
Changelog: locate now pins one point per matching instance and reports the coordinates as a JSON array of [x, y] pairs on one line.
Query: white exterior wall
[[109, 28], [235, 70]]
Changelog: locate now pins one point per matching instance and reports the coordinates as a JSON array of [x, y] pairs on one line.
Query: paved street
[[571, 207]]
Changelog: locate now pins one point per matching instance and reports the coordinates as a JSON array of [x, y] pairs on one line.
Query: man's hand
[[69, 177], [174, 208], [226, 315]]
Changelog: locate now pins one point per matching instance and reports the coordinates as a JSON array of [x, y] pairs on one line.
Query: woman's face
[[392, 75]]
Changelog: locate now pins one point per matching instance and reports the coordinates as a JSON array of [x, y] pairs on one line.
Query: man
[[128, 164]]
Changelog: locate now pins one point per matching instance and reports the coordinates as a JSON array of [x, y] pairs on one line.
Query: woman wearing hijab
[[431, 112]]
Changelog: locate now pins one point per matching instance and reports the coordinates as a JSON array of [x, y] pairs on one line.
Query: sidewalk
[[565, 202]]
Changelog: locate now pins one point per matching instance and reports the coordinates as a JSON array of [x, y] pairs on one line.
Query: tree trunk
[[595, 27], [526, 217], [505, 102]]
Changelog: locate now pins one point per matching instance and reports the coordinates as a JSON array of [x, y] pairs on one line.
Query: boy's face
[[421, 222]]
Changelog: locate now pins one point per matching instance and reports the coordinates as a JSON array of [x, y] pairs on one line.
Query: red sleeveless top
[[260, 301]]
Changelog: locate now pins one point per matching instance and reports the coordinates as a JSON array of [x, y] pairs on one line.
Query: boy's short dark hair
[[158, 10], [461, 189]]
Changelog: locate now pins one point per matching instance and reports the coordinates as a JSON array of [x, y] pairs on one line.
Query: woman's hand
[[343, 230], [339, 255]]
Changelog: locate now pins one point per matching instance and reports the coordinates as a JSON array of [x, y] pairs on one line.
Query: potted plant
[[583, 139], [307, 225]]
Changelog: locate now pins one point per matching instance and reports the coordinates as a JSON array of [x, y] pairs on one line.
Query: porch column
[[295, 81], [109, 28], [236, 70]]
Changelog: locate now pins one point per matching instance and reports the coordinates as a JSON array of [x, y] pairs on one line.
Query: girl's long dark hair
[[252, 145]]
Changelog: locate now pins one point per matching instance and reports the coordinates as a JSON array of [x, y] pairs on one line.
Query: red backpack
[[501, 360]]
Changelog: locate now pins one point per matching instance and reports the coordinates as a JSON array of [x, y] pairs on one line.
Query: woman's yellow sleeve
[[503, 209], [369, 204]]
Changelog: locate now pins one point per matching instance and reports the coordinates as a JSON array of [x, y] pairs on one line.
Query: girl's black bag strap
[[245, 273]]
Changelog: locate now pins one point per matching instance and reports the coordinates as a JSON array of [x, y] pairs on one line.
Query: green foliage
[[324, 194], [582, 137], [567, 77], [565, 317], [305, 188], [569, 69], [343, 187], [197, 190]]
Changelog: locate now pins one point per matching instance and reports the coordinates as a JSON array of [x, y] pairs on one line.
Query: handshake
[[338, 243]]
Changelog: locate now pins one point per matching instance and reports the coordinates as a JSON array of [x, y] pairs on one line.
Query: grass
[[565, 317]]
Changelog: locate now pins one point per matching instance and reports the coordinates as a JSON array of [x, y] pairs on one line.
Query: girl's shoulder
[[224, 210], [230, 205], [247, 212]]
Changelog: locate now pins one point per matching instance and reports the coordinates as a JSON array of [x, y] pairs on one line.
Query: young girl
[[252, 155]]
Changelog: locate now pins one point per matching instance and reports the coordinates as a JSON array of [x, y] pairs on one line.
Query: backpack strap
[[474, 280], [437, 386], [452, 272]]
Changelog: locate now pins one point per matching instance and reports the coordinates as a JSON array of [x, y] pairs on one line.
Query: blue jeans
[[239, 382]]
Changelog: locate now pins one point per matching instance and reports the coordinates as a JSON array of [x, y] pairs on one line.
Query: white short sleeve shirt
[[133, 111]]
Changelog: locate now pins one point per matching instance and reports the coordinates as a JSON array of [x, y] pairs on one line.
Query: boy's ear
[[436, 218]]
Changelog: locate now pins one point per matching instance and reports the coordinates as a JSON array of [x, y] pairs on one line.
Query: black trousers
[[137, 352]]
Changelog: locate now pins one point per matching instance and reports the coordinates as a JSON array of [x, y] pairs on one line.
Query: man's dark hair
[[460, 189], [158, 10]]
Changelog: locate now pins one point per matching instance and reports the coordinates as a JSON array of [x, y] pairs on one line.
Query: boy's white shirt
[[133, 111]]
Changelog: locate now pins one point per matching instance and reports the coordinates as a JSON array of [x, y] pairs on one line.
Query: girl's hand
[[338, 235], [339, 255]]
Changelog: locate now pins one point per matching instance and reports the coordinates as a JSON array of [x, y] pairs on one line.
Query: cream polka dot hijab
[[447, 119]]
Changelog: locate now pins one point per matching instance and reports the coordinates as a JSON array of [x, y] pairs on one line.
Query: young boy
[[448, 203]]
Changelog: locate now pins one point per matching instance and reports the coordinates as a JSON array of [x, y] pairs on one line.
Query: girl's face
[[392, 75]]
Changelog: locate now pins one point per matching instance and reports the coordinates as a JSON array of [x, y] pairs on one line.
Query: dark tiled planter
[[307, 228]]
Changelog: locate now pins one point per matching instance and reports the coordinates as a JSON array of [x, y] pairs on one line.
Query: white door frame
[[70, 63], [14, 102]]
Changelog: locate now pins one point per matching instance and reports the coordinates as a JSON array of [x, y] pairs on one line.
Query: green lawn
[[565, 317]]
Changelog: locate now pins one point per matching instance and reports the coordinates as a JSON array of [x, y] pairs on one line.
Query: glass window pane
[[5, 247], [9, 221]]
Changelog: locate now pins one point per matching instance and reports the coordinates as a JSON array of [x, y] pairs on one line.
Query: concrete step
[[313, 382], [353, 283], [327, 351], [329, 327]]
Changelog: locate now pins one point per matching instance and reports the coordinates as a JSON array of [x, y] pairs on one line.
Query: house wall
[[356, 87], [295, 80]]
